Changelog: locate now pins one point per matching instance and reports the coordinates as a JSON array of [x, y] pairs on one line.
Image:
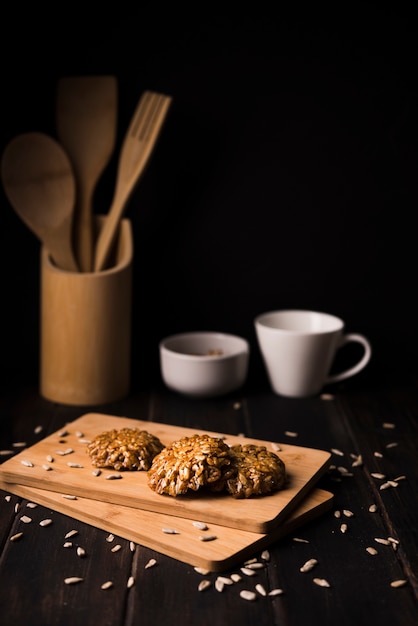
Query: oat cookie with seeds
[[124, 449], [255, 471], [189, 464]]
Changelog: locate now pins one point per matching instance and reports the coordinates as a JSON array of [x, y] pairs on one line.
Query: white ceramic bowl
[[204, 364]]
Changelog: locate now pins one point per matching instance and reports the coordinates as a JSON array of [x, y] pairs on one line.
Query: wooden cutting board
[[261, 515], [230, 548]]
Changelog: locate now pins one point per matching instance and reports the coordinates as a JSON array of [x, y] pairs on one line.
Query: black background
[[286, 174]]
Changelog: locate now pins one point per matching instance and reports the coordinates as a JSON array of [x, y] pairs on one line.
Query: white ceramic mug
[[298, 348]]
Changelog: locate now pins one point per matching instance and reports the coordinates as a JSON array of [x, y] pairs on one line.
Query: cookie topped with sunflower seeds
[[189, 464], [124, 449], [255, 471]]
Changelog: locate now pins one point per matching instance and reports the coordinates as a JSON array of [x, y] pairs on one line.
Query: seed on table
[[388, 425], [204, 584], [207, 537], [259, 587], [68, 544], [132, 546], [393, 444], [398, 583], [337, 452], [49, 458], [276, 447], [27, 463], [337, 514], [170, 531], [348, 513], [378, 455], [71, 533], [372, 508], [247, 571], [19, 444], [275, 592], [225, 580], [150, 563], [107, 585], [46, 467], [75, 465], [384, 542], [68, 496], [31, 505], [45, 522], [343, 528], [265, 555], [255, 565], [310, 564], [81, 552], [378, 475], [6, 452], [16, 537], [236, 578], [219, 585], [17, 507], [131, 582], [372, 551], [200, 525], [26, 519], [79, 434], [290, 433], [116, 548], [321, 582], [63, 433], [96, 472], [110, 538], [300, 540], [246, 594], [73, 580], [38, 429], [113, 476]]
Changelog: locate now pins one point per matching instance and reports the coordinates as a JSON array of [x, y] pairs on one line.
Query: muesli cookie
[[124, 449], [255, 471], [190, 463]]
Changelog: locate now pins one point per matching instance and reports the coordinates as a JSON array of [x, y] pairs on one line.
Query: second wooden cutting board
[[71, 473]]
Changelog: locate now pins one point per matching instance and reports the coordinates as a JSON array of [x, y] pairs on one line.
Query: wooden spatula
[[137, 147], [86, 121]]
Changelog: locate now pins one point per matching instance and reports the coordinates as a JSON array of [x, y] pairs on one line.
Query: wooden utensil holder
[[85, 329]]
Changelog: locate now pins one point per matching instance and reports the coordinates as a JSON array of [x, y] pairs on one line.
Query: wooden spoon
[[86, 120], [39, 182]]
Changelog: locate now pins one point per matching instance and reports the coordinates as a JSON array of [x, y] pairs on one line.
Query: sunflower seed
[[236, 578], [71, 533], [255, 565], [310, 564], [116, 548], [398, 583], [76, 465], [372, 508], [337, 452], [343, 528], [276, 447], [49, 458], [113, 476], [337, 514], [38, 429], [45, 522], [132, 546], [321, 582], [69, 496], [170, 531], [25, 519], [131, 582], [207, 537], [31, 505], [150, 563], [68, 544], [245, 594], [16, 537], [247, 571], [300, 540], [225, 580], [27, 463], [389, 425], [378, 455], [290, 433], [204, 584], [81, 552], [261, 589], [378, 475], [46, 467], [19, 444], [6, 452], [200, 525], [79, 434], [72, 580], [275, 592], [107, 585], [393, 444], [372, 551], [110, 538], [384, 542], [63, 433], [96, 472], [265, 555], [348, 513], [326, 396]]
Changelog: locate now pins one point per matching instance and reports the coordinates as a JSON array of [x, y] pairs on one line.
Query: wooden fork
[[137, 147]]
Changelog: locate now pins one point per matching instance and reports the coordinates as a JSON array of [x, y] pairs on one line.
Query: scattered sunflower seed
[[224, 580], [68, 496], [68, 544], [132, 546], [343, 528], [275, 592], [63, 433], [236, 578], [31, 505], [358, 461], [300, 540], [71, 533], [96, 472], [246, 594], [372, 551], [247, 571], [6, 452], [200, 525], [398, 583], [337, 452], [259, 587], [348, 513], [393, 444], [378, 475], [276, 447], [72, 580], [384, 542], [378, 455], [38, 430], [310, 564], [321, 582], [8, 498], [46, 467], [131, 582], [326, 396], [207, 537], [170, 531], [45, 522], [110, 538], [113, 476], [76, 465], [79, 434], [107, 585], [337, 514], [27, 463], [372, 508], [26, 519], [389, 425], [81, 552], [290, 433], [255, 565], [16, 537], [116, 548], [265, 555], [150, 563], [204, 584], [19, 444], [49, 458]]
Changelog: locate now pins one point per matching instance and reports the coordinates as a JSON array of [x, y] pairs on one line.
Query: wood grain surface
[[230, 547], [304, 467]]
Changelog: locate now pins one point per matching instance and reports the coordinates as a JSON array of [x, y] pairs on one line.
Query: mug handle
[[360, 365]]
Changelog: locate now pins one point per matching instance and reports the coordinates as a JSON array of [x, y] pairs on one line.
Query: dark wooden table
[[377, 425]]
